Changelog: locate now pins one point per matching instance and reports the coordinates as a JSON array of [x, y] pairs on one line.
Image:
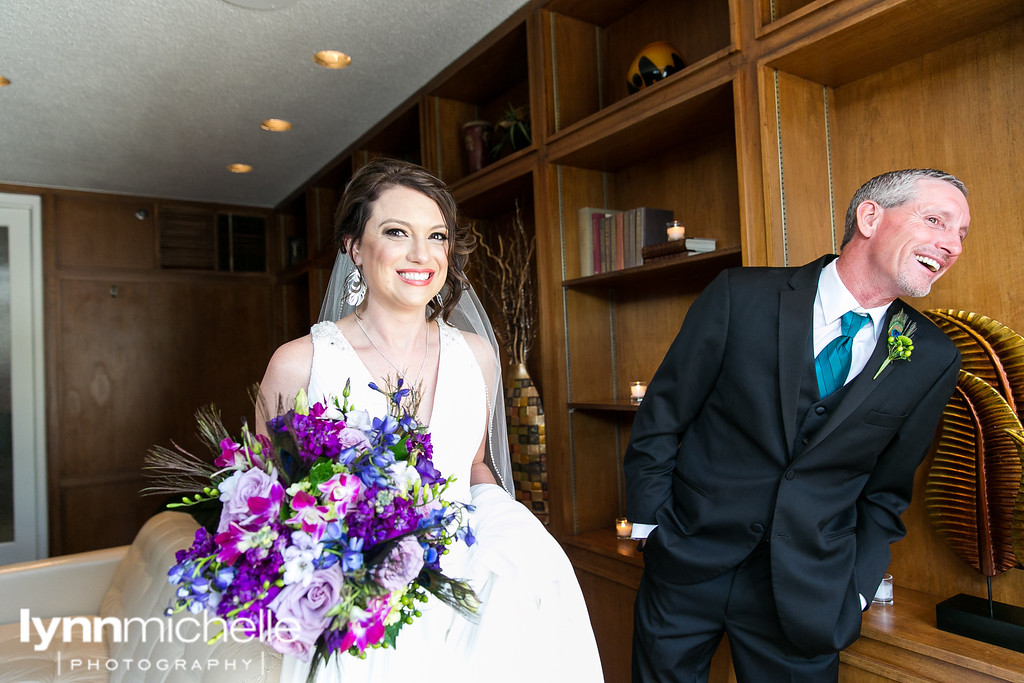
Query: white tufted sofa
[[120, 584]]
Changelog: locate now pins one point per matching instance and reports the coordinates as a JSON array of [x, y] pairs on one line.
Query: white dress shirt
[[830, 303]]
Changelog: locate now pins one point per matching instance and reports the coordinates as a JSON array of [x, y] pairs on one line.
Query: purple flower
[[202, 547], [223, 577], [385, 429], [309, 514], [402, 565], [365, 627], [302, 612], [352, 438], [238, 490], [231, 455], [236, 541], [352, 557], [375, 525], [253, 587], [341, 490], [428, 473]]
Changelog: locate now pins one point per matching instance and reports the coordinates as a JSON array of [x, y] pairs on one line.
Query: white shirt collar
[[835, 300]]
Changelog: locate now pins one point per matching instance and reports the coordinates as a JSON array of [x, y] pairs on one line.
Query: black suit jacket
[[711, 458]]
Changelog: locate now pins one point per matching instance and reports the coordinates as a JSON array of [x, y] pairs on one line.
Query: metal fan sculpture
[[974, 493]]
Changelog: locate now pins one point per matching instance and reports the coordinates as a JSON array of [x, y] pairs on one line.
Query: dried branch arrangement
[[507, 278]]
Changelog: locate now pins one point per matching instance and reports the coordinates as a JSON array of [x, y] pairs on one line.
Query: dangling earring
[[440, 302], [355, 288]]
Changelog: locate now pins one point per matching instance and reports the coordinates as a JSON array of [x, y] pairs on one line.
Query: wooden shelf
[[593, 43], [495, 186], [603, 554], [669, 115], [688, 265], [614, 405], [902, 637]]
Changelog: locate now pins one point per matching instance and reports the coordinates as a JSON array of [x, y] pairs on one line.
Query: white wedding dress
[[533, 622]]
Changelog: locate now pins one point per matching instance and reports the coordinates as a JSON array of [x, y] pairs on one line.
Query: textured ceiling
[[156, 97]]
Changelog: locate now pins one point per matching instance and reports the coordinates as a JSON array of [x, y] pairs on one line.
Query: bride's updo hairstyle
[[366, 187]]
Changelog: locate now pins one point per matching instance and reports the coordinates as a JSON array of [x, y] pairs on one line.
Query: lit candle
[[637, 391], [623, 527], [884, 593], [676, 231]]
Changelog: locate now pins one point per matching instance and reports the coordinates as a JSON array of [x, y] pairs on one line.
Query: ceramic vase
[[524, 414], [476, 139]]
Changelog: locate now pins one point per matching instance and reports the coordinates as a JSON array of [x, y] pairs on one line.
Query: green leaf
[[322, 471]]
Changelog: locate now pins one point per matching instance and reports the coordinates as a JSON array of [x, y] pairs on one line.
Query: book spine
[[653, 222], [607, 229], [620, 228], [586, 240]]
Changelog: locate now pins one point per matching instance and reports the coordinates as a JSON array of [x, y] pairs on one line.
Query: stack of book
[[612, 240], [690, 245], [700, 244]]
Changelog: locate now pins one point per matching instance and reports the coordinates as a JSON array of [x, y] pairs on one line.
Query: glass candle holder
[[884, 593], [623, 527], [637, 391], [675, 231]]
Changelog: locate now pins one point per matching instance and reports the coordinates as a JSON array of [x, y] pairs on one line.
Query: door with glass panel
[[22, 420]]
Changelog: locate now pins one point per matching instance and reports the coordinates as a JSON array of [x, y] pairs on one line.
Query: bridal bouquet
[[330, 531]]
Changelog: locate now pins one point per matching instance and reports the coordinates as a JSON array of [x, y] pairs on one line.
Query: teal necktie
[[833, 363]]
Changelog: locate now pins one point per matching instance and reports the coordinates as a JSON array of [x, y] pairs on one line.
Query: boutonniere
[[900, 340]]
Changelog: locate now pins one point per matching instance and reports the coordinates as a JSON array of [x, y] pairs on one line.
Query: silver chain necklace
[[426, 349]]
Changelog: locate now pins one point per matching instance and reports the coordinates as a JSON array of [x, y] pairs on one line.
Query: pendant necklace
[[426, 349]]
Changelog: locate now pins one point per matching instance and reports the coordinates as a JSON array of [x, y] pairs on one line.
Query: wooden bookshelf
[[784, 108]]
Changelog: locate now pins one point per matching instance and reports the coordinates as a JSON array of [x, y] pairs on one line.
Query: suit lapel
[[796, 315]]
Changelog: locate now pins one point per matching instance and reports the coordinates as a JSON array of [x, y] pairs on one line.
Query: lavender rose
[[236, 490], [349, 437], [301, 612], [402, 565]]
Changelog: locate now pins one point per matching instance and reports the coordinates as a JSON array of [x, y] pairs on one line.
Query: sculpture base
[[969, 616]]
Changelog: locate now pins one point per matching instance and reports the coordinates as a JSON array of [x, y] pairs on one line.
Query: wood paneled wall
[[950, 109], [131, 352]]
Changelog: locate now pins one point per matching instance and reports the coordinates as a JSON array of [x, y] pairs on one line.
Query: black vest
[[813, 411]]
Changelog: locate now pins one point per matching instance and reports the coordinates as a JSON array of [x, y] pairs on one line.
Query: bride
[[399, 306]]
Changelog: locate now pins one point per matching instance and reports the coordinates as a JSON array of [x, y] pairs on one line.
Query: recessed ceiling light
[[332, 59], [4, 81], [239, 168], [276, 125]]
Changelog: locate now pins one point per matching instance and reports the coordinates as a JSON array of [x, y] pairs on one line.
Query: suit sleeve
[[674, 397], [887, 494]]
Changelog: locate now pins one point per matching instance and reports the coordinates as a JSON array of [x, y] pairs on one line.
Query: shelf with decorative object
[[901, 642], [480, 114], [593, 45], [688, 266]]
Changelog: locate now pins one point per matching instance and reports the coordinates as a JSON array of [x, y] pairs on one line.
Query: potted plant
[[512, 130]]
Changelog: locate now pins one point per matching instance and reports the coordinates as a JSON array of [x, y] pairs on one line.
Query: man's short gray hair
[[891, 189]]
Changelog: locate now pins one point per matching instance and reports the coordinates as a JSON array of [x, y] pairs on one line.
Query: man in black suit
[[775, 448]]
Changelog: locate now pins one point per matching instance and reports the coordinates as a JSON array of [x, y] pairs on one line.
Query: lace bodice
[[459, 414]]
